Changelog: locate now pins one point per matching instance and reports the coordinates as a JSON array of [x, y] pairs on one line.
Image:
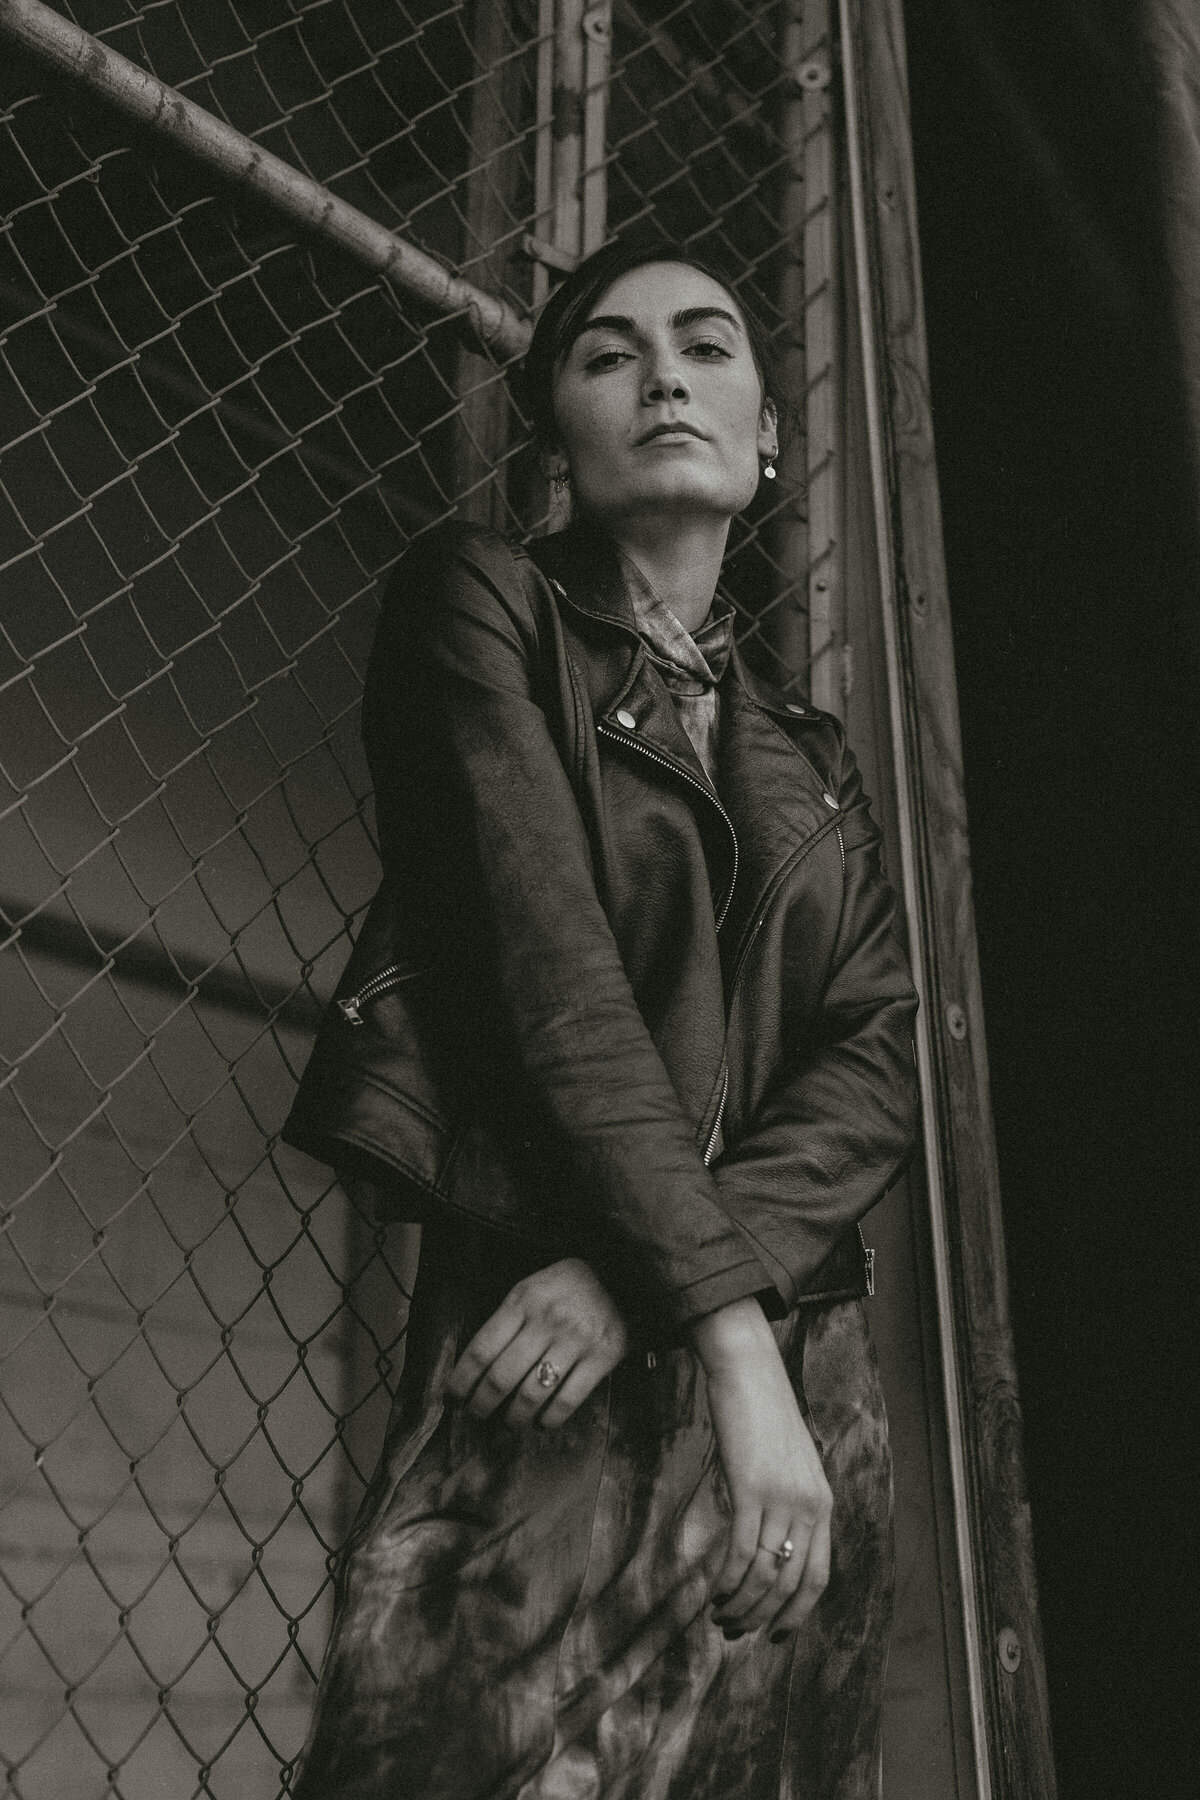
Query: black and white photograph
[[599, 740]]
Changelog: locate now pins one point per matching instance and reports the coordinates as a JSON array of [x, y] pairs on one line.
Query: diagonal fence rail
[[233, 158]]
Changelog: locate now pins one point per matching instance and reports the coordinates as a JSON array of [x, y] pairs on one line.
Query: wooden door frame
[[1006, 1672]]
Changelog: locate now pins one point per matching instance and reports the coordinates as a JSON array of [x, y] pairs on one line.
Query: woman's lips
[[673, 433]]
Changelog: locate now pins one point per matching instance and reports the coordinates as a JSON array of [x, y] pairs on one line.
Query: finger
[[761, 1573], [505, 1375], [493, 1336], [813, 1582], [534, 1394], [739, 1558], [786, 1577], [757, 1583], [593, 1367], [581, 1381]]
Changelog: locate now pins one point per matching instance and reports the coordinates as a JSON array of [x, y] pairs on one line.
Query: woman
[[628, 1031]]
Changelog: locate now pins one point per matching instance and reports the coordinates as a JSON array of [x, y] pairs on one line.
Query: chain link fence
[[218, 435]]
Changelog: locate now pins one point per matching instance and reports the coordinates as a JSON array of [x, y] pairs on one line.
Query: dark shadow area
[[1073, 568]]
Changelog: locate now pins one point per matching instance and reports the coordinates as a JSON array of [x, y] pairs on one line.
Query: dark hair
[[567, 310]]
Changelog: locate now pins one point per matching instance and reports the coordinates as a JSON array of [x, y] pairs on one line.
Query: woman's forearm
[[731, 1335]]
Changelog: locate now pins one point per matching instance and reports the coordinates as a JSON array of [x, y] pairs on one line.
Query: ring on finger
[[784, 1553], [546, 1375]]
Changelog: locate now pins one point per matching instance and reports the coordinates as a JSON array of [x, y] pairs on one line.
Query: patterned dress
[[524, 1614]]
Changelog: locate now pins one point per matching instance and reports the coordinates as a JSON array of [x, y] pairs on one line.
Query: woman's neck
[[681, 559]]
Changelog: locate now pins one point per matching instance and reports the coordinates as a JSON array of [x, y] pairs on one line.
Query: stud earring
[[561, 479]]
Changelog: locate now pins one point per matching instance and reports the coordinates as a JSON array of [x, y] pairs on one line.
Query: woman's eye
[[607, 359], [707, 350]]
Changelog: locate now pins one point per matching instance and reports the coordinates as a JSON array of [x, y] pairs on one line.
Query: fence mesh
[[216, 441]]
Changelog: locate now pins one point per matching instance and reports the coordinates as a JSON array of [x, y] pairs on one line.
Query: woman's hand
[[773, 1472], [558, 1321]]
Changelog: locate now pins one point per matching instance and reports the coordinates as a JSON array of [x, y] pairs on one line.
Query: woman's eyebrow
[[610, 322], [691, 315]]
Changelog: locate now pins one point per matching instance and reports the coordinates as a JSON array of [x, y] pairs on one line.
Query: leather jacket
[[592, 1003]]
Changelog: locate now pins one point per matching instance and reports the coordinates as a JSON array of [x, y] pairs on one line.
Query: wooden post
[[788, 624], [570, 156], [1010, 1719], [597, 40], [486, 418], [543, 167], [810, 538], [566, 183]]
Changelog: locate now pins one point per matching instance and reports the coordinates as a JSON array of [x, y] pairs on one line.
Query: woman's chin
[[675, 492]]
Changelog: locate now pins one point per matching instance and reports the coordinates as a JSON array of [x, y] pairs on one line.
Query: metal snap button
[[800, 711], [829, 801], [626, 718]]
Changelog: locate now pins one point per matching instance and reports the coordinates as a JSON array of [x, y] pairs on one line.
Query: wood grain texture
[[1020, 1750], [484, 428]]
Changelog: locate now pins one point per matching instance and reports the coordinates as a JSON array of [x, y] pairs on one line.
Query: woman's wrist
[[729, 1335]]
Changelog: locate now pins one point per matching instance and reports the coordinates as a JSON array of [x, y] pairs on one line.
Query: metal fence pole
[[246, 165]]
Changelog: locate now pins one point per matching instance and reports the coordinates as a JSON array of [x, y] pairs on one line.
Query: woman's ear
[[768, 431], [553, 464]]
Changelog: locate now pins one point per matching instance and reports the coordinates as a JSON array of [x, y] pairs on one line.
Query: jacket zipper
[[393, 976], [715, 1133], [664, 762], [869, 1258], [741, 963], [620, 737], [809, 845]]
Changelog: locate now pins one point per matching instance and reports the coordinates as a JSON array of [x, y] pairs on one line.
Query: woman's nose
[[666, 379]]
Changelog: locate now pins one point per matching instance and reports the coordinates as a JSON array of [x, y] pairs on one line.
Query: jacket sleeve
[[456, 734], [839, 1122]]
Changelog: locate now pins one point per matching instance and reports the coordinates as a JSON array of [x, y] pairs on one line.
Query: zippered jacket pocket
[[393, 976]]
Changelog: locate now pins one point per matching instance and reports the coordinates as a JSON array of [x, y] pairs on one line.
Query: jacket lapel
[[770, 794], [774, 795], [581, 564], [630, 701], [582, 567]]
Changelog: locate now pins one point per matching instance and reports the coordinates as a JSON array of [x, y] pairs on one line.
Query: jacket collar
[[770, 790], [582, 563], [582, 566]]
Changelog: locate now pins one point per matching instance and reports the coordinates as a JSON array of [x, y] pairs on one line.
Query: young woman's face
[[658, 402]]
